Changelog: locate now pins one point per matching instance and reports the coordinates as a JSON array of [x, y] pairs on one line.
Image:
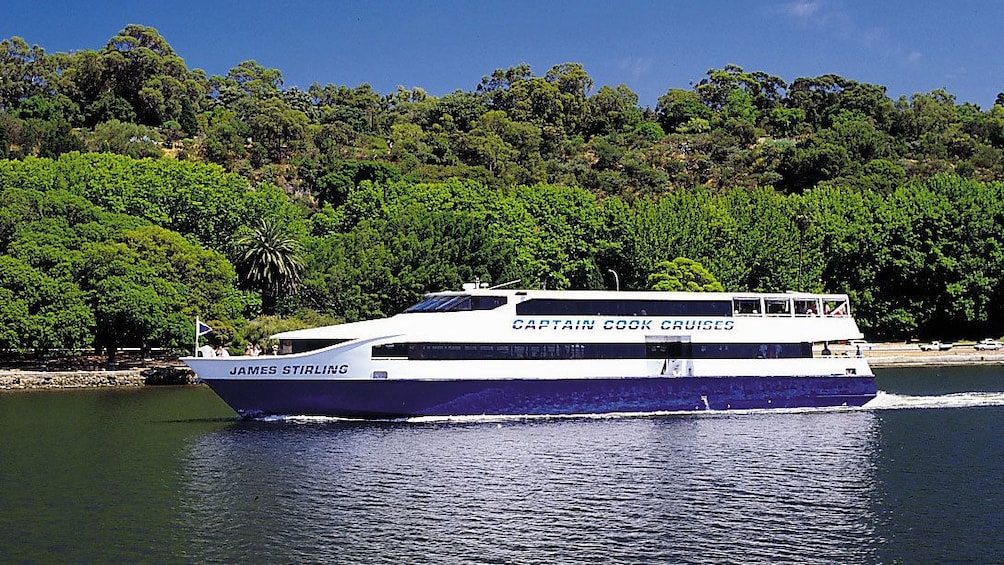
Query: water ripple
[[759, 487]]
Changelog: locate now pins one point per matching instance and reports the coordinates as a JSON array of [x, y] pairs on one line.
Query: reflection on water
[[167, 475], [752, 487]]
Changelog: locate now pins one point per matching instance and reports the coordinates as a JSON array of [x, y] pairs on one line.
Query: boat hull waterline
[[252, 398]]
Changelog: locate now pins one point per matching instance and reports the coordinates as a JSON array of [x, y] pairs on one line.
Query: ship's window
[[427, 304], [777, 306], [625, 307], [806, 307], [668, 350], [836, 308], [559, 351], [487, 302], [303, 345], [523, 351], [746, 306], [390, 350], [750, 350], [457, 302]]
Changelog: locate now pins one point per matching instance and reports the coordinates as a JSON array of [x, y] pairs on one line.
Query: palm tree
[[269, 260]]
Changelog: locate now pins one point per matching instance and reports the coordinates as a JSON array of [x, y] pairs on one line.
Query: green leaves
[[770, 186], [270, 261], [683, 275], [40, 313], [75, 274]]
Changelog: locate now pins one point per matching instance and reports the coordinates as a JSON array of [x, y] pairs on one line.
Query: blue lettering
[[693, 325]]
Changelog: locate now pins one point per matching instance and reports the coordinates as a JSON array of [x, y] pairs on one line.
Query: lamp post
[[617, 280]]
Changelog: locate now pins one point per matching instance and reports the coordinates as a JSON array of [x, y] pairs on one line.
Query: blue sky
[[650, 46]]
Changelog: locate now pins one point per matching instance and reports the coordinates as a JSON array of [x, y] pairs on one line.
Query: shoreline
[[36, 379], [889, 355], [888, 362], [878, 356]]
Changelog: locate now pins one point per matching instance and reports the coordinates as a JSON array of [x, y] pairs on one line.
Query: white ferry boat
[[495, 351]]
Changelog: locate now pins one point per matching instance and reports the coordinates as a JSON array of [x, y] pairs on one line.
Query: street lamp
[[617, 280]]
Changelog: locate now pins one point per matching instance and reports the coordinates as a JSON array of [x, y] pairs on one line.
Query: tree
[[22, 72], [140, 68], [457, 110], [255, 80], [132, 303], [682, 274], [269, 260], [612, 110], [205, 275], [678, 108], [496, 87], [226, 139], [735, 92], [278, 129], [39, 313]]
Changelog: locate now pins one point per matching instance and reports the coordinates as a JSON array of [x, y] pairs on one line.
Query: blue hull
[[401, 398]]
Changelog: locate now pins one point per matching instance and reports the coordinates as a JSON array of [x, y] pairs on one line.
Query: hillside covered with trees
[[136, 193]]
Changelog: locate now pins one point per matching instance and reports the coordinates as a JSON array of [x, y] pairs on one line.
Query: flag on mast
[[200, 330]]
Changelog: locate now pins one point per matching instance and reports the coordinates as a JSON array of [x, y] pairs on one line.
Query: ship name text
[[289, 370]]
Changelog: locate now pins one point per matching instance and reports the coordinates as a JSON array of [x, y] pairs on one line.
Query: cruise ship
[[497, 351]]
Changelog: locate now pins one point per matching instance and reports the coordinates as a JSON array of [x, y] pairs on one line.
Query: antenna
[[505, 284]]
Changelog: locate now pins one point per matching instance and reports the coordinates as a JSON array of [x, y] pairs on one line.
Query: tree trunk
[[268, 302]]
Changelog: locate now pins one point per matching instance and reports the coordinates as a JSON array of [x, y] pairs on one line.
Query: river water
[[167, 475]]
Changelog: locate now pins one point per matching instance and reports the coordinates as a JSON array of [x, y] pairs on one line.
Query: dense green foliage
[[732, 129], [136, 193], [683, 275]]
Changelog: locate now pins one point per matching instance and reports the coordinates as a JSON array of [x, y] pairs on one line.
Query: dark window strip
[[557, 351], [623, 307]]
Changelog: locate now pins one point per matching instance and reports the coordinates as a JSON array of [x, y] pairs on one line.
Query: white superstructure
[[494, 335]]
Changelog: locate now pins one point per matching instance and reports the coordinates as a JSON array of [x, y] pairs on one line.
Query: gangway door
[[669, 355]]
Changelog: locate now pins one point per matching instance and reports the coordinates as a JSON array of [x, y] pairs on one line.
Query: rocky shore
[[33, 379]]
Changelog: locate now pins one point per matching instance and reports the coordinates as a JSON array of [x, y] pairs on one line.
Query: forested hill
[[732, 129], [137, 193]]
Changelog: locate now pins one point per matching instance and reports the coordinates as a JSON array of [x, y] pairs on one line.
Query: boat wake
[[888, 401], [882, 401]]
